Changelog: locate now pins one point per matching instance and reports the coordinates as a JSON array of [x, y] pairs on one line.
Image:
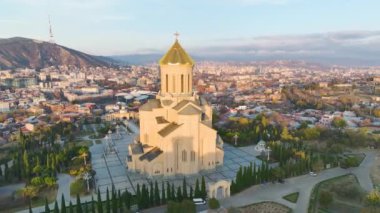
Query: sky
[[214, 27]]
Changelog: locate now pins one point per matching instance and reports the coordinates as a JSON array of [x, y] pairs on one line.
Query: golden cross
[[176, 34]]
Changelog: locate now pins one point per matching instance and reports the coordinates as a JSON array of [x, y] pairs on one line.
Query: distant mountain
[[20, 52], [137, 59]]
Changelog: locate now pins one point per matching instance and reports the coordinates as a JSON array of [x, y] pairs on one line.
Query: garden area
[[341, 194], [293, 197], [267, 207]]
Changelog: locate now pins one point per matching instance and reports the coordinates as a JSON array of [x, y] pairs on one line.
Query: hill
[[20, 52]]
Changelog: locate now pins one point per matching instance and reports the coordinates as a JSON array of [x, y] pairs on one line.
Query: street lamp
[[87, 177], [235, 138], [268, 151]]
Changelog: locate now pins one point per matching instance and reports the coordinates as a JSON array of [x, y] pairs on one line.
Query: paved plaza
[[111, 167]]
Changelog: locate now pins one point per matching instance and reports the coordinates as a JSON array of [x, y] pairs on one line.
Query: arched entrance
[[220, 189]]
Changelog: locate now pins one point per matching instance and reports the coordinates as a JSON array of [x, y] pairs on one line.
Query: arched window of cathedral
[[182, 83], [184, 156], [167, 83], [192, 156], [173, 84], [203, 116]]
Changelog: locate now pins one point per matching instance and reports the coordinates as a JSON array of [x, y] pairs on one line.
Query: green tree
[[93, 210], [78, 205], [47, 209], [56, 208], [168, 192], [63, 204], [26, 164], [151, 195], [191, 193], [179, 194], [184, 191], [203, 188], [108, 204], [156, 194], [339, 123], [286, 136], [30, 206], [163, 197], [71, 208], [197, 192], [99, 203], [213, 203]]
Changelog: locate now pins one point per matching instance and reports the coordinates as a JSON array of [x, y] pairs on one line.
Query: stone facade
[[176, 135]]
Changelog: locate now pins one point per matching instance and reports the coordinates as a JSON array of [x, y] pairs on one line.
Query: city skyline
[[261, 28]]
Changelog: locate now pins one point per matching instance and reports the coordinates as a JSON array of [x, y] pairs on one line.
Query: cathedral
[[176, 134]]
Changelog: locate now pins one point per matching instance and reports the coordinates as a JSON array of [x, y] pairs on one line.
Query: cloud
[[356, 47]]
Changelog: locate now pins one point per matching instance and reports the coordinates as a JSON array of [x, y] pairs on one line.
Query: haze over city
[[323, 31]]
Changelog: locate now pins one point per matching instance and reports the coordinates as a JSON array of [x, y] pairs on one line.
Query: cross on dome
[[176, 35]]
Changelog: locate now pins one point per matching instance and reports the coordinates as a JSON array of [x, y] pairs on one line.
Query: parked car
[[312, 174]]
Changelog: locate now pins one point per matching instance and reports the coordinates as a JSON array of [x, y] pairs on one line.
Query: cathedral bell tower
[[176, 68]]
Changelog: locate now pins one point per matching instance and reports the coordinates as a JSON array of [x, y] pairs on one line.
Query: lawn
[[347, 195], [293, 197]]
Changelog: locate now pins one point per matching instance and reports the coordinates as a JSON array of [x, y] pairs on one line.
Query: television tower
[[51, 37]]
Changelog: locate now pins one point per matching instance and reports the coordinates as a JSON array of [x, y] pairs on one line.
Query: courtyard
[[111, 169]]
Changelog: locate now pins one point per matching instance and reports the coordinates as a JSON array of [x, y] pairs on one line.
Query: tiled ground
[[111, 169]]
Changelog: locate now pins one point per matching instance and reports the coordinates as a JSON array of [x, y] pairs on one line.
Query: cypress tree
[[144, 197], [120, 202], [127, 200], [47, 209], [108, 205], [99, 203], [92, 204], [179, 194], [203, 188], [30, 205], [184, 191], [156, 194], [71, 208], [6, 172], [191, 192], [114, 201], [173, 197], [63, 204], [197, 192], [79, 205], [86, 207], [151, 194], [168, 192], [138, 197], [1, 172], [163, 198], [56, 208]]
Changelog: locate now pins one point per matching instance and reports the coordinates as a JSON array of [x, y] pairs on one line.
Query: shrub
[[37, 181], [77, 187], [325, 198], [213, 203], [186, 206]]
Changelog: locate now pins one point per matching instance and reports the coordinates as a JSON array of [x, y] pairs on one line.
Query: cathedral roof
[[190, 110], [176, 55], [151, 104], [182, 104], [161, 120], [168, 129], [151, 155]]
